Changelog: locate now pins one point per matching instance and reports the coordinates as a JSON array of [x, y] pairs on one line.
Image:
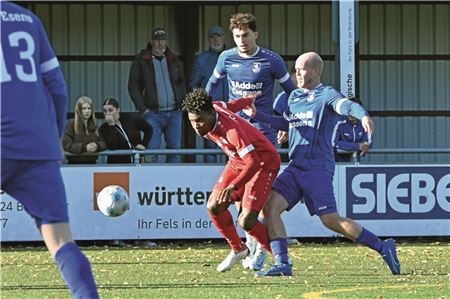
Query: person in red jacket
[[251, 169]]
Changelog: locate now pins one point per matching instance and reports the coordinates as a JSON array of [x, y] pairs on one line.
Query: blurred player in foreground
[[309, 117], [248, 175], [33, 116]]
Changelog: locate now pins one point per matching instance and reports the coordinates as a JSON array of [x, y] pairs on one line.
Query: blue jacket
[[348, 137], [201, 72]]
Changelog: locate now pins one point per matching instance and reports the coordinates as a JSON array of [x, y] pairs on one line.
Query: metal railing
[[137, 154]]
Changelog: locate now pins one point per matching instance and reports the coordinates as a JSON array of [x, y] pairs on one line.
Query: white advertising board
[[347, 47], [169, 202]]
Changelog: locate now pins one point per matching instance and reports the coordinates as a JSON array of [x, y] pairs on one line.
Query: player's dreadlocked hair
[[242, 21], [196, 101]]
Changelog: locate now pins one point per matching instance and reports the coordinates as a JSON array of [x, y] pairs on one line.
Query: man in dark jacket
[[157, 86]]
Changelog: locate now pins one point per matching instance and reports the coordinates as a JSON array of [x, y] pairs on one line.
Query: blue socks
[[76, 271], [279, 248], [370, 240]]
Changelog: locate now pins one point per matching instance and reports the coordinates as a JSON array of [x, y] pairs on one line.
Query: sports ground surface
[[187, 270]]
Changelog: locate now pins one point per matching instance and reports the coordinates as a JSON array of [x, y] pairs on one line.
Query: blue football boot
[[279, 269], [389, 254]]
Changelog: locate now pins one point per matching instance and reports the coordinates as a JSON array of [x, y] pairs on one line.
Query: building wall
[[407, 68], [404, 62]]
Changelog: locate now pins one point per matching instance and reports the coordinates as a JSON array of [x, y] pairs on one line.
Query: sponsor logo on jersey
[[246, 85], [242, 89], [301, 119], [311, 96]]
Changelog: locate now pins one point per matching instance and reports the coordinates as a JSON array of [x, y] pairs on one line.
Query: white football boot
[[232, 259]]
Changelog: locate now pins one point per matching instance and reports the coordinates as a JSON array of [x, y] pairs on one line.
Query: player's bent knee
[[248, 220], [332, 221], [215, 208]]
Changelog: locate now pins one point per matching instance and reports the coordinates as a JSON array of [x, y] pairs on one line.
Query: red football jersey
[[237, 137]]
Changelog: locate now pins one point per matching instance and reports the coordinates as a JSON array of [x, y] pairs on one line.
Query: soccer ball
[[113, 201]]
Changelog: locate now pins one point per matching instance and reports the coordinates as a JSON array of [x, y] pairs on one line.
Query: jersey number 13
[[26, 57]]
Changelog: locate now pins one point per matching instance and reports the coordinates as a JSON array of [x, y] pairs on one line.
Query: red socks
[[225, 226], [259, 232]]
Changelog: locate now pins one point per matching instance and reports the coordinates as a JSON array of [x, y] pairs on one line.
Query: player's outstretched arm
[[242, 104], [272, 121], [368, 124]]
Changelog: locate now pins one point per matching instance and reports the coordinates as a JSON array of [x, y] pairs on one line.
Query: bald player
[[309, 117]]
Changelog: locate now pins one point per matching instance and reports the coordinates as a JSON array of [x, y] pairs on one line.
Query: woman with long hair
[[81, 134]]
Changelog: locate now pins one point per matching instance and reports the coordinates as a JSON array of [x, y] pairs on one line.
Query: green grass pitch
[[187, 270]]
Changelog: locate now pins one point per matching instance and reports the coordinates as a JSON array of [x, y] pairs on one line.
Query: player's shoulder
[[229, 53], [326, 88], [330, 91], [269, 54], [12, 12], [297, 92]]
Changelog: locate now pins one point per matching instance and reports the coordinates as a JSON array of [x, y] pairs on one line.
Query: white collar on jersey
[[306, 90], [249, 56]]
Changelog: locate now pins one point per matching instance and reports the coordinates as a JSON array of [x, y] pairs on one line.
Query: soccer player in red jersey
[[248, 175]]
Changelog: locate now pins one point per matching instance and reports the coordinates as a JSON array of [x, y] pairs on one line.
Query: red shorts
[[255, 193]]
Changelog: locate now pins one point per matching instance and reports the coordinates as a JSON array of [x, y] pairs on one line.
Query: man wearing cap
[[202, 70], [205, 62], [157, 86]]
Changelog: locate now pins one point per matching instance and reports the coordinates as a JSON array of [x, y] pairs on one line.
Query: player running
[[248, 175], [309, 117], [33, 116]]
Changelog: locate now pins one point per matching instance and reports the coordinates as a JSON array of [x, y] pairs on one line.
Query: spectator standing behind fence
[[202, 70], [81, 133], [33, 117], [123, 131], [157, 86], [349, 136]]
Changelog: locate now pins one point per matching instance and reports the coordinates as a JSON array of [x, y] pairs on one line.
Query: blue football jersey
[[252, 74], [311, 117], [33, 91]]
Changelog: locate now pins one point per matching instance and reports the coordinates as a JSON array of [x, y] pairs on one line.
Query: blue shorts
[[38, 186], [315, 186]]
